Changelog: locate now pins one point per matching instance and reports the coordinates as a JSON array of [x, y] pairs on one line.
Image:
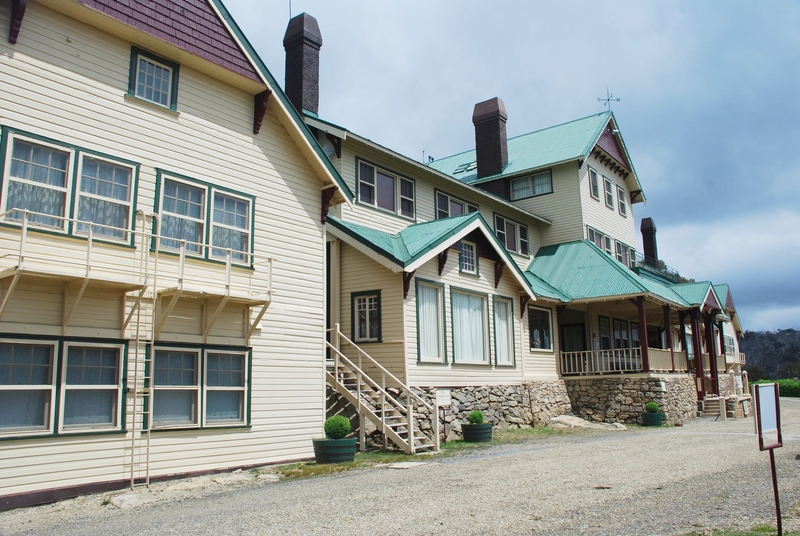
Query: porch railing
[[601, 361]]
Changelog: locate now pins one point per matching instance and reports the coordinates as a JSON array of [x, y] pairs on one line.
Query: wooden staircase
[[391, 406]]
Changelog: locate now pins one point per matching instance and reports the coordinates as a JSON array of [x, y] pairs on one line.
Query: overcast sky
[[710, 107]]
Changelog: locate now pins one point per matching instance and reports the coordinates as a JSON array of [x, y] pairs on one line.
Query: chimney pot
[[302, 42], [491, 144]]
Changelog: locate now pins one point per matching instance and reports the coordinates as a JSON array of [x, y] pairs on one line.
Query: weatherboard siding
[[72, 91], [595, 212]]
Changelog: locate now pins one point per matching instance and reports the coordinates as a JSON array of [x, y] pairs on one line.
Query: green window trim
[[398, 196], [174, 69], [487, 362], [443, 333], [354, 335], [513, 347]]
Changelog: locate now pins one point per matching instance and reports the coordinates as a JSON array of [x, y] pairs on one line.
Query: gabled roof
[[554, 145], [418, 243], [698, 294], [582, 271], [724, 294]]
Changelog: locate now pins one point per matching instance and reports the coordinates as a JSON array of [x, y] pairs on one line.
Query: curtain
[[430, 330], [502, 332], [469, 331]]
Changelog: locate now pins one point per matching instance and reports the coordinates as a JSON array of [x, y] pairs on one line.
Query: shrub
[[337, 427], [475, 417], [651, 407], [787, 387]]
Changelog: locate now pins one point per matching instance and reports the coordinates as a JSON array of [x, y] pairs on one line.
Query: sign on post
[[768, 425], [443, 402]]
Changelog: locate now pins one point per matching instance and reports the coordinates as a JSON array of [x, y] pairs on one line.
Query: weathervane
[[608, 99]]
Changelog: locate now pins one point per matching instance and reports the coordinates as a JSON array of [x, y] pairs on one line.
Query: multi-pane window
[[621, 334], [470, 337], [608, 190], [503, 332], [594, 186], [635, 339], [468, 259], [37, 181], [185, 397], [604, 327], [624, 253], [689, 347], [153, 79], [539, 329], [26, 388], [386, 191], [367, 317], [187, 217], [514, 236], [730, 346], [537, 184], [430, 322], [599, 239], [622, 204], [91, 390], [447, 206], [104, 197]]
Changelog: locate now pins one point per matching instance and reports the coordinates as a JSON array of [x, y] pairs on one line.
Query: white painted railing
[[660, 360], [601, 361]]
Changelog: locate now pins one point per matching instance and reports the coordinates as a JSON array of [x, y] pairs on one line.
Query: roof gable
[[700, 293], [191, 25], [608, 143]]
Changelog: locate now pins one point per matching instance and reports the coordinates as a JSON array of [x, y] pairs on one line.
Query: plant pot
[[652, 419], [335, 450], [477, 433]]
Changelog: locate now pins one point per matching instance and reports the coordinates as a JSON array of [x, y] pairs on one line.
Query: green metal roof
[[694, 293], [723, 292], [561, 143], [581, 271], [543, 288]]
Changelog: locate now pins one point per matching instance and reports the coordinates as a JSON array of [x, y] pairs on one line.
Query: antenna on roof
[[609, 98], [290, 9], [428, 161]]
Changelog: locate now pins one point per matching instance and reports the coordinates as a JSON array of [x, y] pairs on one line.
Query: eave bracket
[[17, 14], [259, 109]]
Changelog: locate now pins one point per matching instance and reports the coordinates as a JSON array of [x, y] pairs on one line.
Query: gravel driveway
[[704, 475]]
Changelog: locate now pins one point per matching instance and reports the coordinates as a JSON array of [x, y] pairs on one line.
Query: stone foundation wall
[[622, 398]]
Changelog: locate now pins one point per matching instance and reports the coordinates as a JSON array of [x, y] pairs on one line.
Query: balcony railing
[[601, 361], [656, 266]]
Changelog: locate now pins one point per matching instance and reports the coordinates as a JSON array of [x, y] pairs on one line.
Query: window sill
[[203, 429], [482, 365], [530, 196], [542, 350], [510, 366], [378, 341], [63, 435], [431, 362], [169, 111]]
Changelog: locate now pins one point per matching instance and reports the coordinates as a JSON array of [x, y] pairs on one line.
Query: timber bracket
[[260, 109]]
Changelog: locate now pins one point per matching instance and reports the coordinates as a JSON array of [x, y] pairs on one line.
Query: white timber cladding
[[562, 207], [66, 81], [426, 184], [536, 364], [597, 214]]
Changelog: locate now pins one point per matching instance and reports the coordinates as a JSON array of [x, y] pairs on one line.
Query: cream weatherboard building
[[162, 280]]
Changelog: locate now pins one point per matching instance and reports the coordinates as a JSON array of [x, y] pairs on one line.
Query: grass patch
[[756, 530]]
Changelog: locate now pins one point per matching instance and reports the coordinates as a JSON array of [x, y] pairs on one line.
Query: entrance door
[[573, 338]]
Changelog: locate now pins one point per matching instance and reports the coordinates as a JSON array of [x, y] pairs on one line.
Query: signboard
[[443, 397], [768, 416]]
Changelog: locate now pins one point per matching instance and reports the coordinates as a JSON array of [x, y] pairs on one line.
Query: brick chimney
[[491, 145], [648, 228], [302, 43]]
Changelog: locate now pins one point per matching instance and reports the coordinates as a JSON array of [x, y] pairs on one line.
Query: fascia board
[[442, 245], [365, 249]]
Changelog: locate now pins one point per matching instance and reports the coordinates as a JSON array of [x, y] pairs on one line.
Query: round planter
[[477, 433], [335, 450], [652, 419]]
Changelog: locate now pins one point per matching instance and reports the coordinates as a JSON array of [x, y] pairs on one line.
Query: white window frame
[[509, 332], [484, 324], [101, 231], [66, 190], [466, 207], [531, 183], [608, 192], [208, 423], [440, 326], [551, 341], [49, 421], [622, 205], [171, 98], [593, 235], [71, 429], [624, 252], [594, 184], [521, 245], [201, 247], [366, 297], [241, 257], [468, 258], [398, 197], [196, 387]]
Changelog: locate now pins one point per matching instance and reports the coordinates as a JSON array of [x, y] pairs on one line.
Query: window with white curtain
[[104, 197], [230, 227], [430, 322], [470, 340], [537, 184], [183, 211], [503, 332], [92, 387], [27, 389]]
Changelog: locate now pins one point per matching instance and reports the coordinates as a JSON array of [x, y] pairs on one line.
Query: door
[[573, 337]]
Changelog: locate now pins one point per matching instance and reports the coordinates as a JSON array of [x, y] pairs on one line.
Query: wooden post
[[722, 343], [643, 333], [682, 334], [698, 352], [668, 335], [708, 320]]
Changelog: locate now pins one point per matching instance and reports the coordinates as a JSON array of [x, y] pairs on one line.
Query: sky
[[709, 107]]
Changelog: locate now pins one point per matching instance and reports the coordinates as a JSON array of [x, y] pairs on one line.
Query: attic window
[[153, 79]]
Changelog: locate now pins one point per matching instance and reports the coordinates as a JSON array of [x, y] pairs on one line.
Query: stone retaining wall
[[622, 398]]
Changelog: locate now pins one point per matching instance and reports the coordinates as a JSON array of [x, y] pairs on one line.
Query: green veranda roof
[[695, 293]]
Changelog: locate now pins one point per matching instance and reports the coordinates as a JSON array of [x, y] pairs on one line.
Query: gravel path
[[703, 475]]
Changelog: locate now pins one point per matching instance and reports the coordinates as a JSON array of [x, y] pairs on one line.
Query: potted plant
[[652, 416], [477, 431], [335, 447]]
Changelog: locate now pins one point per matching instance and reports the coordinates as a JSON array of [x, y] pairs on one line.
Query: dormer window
[[537, 184], [153, 79]]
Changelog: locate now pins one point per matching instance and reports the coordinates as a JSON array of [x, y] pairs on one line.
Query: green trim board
[[280, 95], [510, 302], [487, 331], [443, 333], [361, 294], [175, 67]]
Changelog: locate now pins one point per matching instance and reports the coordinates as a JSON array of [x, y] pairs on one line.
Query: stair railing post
[[435, 422], [361, 438], [410, 409], [335, 343], [383, 409]]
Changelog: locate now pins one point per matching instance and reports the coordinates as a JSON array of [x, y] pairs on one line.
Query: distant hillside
[[772, 355]]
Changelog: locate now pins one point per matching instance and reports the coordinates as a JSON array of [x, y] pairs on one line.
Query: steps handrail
[[382, 369]]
